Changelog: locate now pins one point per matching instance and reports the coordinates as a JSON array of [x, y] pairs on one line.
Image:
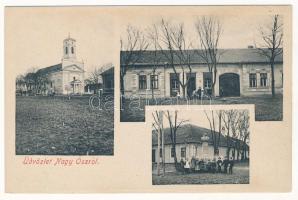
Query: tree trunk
[[122, 84], [272, 79], [175, 158], [183, 91]]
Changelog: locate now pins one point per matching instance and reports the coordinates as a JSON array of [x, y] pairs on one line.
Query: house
[[240, 72], [108, 81], [92, 88], [66, 77], [194, 141]]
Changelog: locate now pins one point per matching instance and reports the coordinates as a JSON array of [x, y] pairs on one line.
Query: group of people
[[200, 93], [200, 165]]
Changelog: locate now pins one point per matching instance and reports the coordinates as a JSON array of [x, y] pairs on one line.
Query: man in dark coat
[[225, 164], [219, 164], [199, 93], [231, 165]]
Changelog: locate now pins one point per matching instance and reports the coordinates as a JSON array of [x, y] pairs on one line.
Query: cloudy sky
[[33, 36]]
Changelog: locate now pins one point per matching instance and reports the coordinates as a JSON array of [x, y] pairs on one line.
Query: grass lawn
[[59, 126], [240, 176], [266, 107]]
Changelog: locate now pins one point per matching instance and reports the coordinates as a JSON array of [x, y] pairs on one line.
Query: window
[[175, 82], [253, 80], [154, 81], [207, 83], [207, 77], [172, 152], [263, 79], [72, 50], [160, 152], [183, 152], [142, 82], [66, 50]]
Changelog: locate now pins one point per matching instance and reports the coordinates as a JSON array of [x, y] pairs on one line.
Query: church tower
[[69, 48]]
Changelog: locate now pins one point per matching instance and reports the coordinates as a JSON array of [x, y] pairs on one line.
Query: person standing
[[225, 164], [186, 166], [219, 164], [199, 92], [231, 165], [182, 163]]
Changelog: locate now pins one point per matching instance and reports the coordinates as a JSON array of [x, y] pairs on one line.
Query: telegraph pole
[[162, 142]]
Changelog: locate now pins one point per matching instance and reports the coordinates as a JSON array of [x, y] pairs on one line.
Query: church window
[[66, 50], [72, 50]]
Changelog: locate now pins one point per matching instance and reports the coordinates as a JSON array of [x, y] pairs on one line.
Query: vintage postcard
[[148, 99]]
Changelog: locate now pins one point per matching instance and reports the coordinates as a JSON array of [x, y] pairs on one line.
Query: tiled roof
[[188, 133], [249, 55], [50, 69]]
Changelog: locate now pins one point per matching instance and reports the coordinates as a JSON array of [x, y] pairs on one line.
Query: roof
[[108, 71], [69, 38], [189, 133], [50, 69], [249, 55]]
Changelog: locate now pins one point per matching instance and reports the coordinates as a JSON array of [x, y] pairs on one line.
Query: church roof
[[189, 133], [50, 69], [245, 56]]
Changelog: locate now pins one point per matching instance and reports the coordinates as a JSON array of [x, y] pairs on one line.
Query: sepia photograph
[[64, 83], [200, 146], [201, 60]]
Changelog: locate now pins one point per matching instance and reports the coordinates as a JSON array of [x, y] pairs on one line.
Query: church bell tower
[[69, 48]]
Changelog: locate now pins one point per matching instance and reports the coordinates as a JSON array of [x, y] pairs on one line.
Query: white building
[[66, 77], [240, 72], [190, 143]]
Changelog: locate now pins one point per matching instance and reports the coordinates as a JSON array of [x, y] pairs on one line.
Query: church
[[66, 77]]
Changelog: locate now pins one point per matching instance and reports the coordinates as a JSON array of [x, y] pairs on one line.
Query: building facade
[[66, 77], [240, 72], [193, 141]]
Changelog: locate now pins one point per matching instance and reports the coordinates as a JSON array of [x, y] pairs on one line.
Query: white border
[[230, 196]]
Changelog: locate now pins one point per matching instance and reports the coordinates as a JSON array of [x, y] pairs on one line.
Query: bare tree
[[174, 126], [209, 30], [153, 36], [158, 126], [132, 48], [95, 76], [175, 47], [30, 78], [244, 132], [272, 37], [215, 135], [229, 118]]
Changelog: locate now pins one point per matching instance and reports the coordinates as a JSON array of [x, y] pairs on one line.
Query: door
[[191, 85], [153, 155], [229, 85]]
